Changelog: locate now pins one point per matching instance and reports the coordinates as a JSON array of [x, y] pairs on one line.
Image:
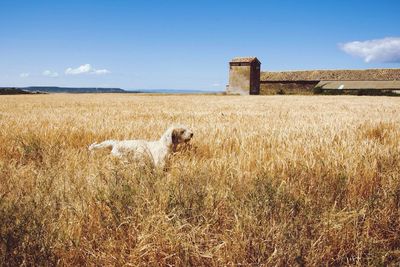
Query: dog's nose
[[191, 135]]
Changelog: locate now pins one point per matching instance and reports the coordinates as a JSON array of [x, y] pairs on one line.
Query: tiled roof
[[333, 75], [244, 59]]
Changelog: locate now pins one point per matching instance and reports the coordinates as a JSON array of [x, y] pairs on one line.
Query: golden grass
[[278, 180]]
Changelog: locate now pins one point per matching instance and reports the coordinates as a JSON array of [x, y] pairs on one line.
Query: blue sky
[[187, 44]]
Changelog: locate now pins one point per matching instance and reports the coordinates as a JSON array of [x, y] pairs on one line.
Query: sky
[[172, 44]]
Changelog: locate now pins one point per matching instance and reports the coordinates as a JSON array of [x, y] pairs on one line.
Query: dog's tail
[[105, 144]]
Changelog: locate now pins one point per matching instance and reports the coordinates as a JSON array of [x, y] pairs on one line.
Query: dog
[[156, 151]]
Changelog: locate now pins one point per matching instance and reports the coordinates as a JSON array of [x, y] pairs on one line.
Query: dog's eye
[[182, 131]]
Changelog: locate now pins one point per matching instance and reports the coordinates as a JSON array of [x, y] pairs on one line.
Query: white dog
[[156, 151]]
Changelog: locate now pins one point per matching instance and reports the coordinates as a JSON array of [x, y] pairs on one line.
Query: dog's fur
[[156, 151]]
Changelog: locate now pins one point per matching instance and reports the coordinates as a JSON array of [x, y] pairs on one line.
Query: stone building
[[244, 76], [304, 82], [243, 79]]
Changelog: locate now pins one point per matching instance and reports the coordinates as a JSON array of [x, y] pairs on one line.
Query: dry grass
[[268, 180]]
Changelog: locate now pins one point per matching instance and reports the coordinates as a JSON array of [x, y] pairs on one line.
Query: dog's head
[[181, 134], [177, 134]]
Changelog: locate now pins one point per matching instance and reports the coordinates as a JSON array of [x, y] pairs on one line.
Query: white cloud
[[215, 85], [49, 73], [378, 50], [24, 75], [79, 70], [86, 68], [100, 72]]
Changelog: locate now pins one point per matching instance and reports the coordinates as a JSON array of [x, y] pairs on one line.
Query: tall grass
[[267, 180]]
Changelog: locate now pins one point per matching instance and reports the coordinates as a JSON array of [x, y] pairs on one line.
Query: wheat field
[[266, 180]]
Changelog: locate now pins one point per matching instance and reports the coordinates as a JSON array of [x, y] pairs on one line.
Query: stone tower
[[244, 76]]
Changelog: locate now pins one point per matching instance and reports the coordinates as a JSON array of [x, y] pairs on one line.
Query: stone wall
[[287, 87], [239, 80], [255, 79]]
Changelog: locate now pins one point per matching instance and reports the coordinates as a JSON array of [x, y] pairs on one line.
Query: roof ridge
[[244, 59]]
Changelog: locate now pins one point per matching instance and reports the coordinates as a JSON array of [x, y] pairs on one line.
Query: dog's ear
[[175, 136]]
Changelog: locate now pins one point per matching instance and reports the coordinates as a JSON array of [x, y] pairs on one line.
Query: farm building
[[244, 76], [343, 85], [309, 81]]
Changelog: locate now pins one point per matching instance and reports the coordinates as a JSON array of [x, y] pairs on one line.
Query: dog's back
[[105, 144], [136, 148]]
